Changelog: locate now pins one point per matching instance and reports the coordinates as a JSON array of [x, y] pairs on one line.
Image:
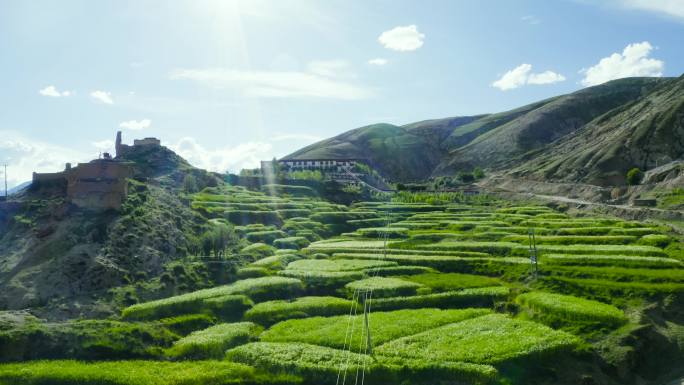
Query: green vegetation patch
[[389, 232], [612, 260], [384, 286], [439, 282], [214, 341], [268, 313], [135, 373], [291, 243], [567, 307], [385, 326], [575, 239], [477, 297], [326, 366], [259, 289], [490, 339], [337, 264]]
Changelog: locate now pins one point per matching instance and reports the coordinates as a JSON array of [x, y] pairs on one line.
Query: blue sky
[[227, 83]]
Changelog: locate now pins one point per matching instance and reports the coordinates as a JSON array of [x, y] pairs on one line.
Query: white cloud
[[673, 8], [102, 96], [136, 124], [546, 77], [245, 155], [378, 61], [633, 61], [52, 91], [297, 137], [402, 38], [522, 75], [530, 19], [320, 81], [330, 68], [24, 155]]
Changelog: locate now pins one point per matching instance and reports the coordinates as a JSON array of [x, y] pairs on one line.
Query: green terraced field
[[454, 298]]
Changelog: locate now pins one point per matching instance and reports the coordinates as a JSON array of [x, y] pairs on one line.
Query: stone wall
[[100, 184]]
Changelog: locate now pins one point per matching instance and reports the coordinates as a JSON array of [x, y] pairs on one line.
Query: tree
[[466, 177], [634, 176], [478, 173], [190, 183]]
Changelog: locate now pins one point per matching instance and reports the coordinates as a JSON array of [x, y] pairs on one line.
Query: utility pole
[[5, 181], [365, 317], [533, 250]]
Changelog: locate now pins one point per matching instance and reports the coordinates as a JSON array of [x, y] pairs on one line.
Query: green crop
[[384, 287], [337, 264], [575, 239], [451, 281], [571, 308], [135, 373], [268, 313], [477, 297], [326, 366], [256, 288], [385, 326], [214, 341], [489, 339], [612, 260]]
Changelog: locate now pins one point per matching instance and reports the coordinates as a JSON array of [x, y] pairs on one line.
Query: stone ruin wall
[[99, 184]]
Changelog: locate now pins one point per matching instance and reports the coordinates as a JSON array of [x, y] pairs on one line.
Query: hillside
[[503, 140], [644, 133], [63, 259]]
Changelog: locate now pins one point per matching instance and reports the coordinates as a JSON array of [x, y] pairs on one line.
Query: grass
[[472, 341], [385, 326], [327, 366], [135, 373], [384, 286], [214, 341], [389, 232], [337, 264], [475, 297], [575, 239], [620, 274], [194, 302], [185, 324], [612, 260], [569, 308], [291, 243], [439, 282], [271, 312]]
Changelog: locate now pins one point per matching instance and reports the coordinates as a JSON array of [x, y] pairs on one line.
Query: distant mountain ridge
[[511, 139]]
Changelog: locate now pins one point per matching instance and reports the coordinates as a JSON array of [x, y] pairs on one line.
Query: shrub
[[384, 287], [214, 341], [185, 324], [256, 288], [228, 307], [657, 240], [83, 339], [568, 308], [135, 373], [385, 326], [258, 250], [291, 243], [264, 236], [252, 272], [471, 341], [268, 313], [478, 297], [634, 176]]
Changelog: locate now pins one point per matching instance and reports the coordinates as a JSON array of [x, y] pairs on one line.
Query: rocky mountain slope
[[633, 113]]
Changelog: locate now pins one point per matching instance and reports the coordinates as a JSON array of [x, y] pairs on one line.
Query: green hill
[[504, 140]]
